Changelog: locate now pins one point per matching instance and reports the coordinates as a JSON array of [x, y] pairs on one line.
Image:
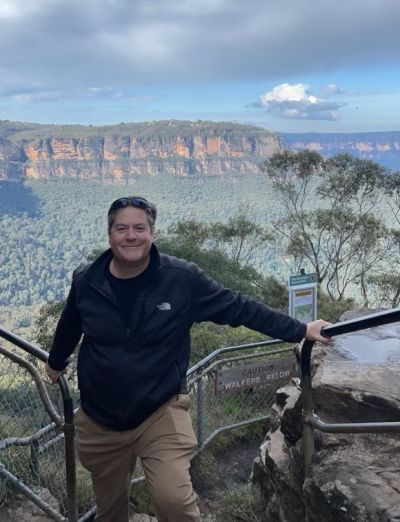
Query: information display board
[[303, 297]]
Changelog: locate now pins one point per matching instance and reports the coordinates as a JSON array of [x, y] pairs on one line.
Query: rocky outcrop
[[116, 153], [354, 477], [380, 147]]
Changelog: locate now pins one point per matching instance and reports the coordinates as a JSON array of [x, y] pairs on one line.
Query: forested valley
[[337, 217]]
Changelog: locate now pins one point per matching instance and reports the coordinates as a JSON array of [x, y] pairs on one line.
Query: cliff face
[[115, 153], [381, 147]]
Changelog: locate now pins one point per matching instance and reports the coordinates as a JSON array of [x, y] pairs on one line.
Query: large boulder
[[354, 477]]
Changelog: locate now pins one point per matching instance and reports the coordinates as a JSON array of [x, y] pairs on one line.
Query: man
[[135, 308]]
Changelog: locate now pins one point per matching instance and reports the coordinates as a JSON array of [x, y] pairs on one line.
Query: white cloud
[[287, 92], [330, 89], [8, 10], [25, 95], [294, 101], [14, 9], [37, 97]]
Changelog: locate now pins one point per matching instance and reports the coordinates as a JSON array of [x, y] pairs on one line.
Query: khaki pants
[[163, 442]]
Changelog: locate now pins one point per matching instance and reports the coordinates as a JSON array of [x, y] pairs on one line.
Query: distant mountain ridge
[[115, 153], [381, 147]]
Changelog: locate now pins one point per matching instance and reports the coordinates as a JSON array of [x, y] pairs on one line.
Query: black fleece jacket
[[125, 374]]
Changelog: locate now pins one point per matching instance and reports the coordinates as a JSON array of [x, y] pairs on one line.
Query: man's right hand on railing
[[313, 332], [54, 375]]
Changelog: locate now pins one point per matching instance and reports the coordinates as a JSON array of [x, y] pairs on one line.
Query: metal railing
[[212, 412], [67, 427], [311, 420], [29, 401], [35, 442]]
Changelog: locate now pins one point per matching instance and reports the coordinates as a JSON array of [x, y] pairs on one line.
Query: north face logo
[[164, 306]]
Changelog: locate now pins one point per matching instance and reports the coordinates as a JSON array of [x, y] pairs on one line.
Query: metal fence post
[[69, 441], [34, 463], [200, 411], [307, 406]]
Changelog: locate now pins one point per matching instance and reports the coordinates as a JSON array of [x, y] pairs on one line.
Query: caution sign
[[257, 375]]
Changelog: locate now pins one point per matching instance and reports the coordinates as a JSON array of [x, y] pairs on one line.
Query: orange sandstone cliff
[[115, 153]]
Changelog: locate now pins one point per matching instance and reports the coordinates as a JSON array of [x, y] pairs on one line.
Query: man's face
[[131, 237]]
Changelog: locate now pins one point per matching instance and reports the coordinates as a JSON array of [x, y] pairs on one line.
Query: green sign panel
[[302, 279]]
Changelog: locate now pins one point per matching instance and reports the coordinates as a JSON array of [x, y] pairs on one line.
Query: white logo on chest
[[164, 306]]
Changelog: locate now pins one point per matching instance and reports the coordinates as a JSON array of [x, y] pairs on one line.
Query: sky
[[285, 65]]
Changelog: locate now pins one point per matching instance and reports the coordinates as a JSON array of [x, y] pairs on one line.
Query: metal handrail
[[213, 355], [68, 426], [48, 406], [311, 421]]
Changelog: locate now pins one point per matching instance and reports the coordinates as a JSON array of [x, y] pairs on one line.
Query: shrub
[[244, 504]]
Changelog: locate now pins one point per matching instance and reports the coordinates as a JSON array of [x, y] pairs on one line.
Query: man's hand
[[313, 332], [54, 374]]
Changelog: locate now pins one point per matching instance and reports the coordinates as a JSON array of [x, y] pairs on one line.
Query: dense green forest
[[49, 227], [17, 131], [335, 217]]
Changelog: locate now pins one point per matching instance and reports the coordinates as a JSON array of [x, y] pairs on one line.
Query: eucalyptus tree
[[386, 279], [328, 222], [392, 186], [239, 237], [223, 251]]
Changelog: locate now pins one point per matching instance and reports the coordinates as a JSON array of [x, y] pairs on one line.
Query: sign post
[[303, 297]]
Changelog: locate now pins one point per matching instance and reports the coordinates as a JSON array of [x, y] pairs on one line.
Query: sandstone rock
[[354, 477], [348, 492], [279, 467], [288, 399], [114, 154], [281, 484]]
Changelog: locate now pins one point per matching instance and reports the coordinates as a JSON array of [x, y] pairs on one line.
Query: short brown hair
[[132, 201]]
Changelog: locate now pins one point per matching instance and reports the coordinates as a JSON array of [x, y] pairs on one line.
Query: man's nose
[[131, 234]]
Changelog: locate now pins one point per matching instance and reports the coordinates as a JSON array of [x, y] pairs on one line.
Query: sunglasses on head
[[131, 202]]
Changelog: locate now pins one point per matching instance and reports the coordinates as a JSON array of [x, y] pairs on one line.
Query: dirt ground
[[232, 469]]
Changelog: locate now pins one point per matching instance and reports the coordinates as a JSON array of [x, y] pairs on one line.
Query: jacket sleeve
[[67, 334], [213, 302]]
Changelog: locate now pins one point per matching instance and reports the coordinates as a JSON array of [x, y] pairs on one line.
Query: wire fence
[[233, 389], [227, 390]]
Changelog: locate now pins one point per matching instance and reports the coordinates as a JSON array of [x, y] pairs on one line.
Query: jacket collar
[[97, 271]]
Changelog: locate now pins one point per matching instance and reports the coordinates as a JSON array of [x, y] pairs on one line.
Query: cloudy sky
[[287, 65]]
